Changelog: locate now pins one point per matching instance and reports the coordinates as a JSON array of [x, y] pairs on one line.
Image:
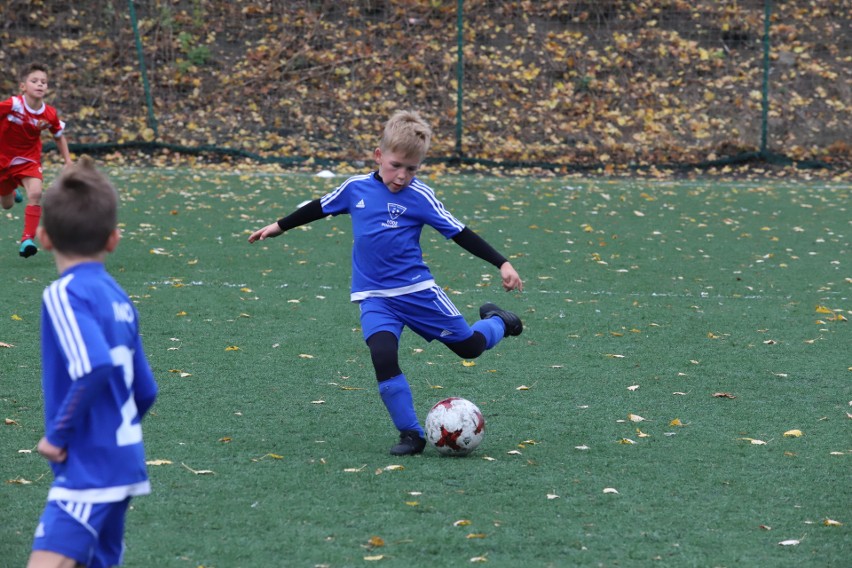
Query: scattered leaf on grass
[[754, 441], [374, 558], [6, 345], [676, 422], [199, 471], [522, 388], [376, 541], [791, 542], [514, 453], [19, 481], [468, 363], [232, 348], [633, 387], [394, 467], [723, 395], [478, 559], [158, 462], [832, 523], [583, 447], [612, 490], [355, 469], [642, 434], [765, 527], [16, 317], [476, 535], [635, 418], [614, 356], [552, 496], [793, 434], [10, 422], [461, 523], [626, 441], [305, 356]]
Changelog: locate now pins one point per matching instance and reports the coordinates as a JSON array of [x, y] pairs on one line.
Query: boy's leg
[[487, 332], [8, 190], [46, 559], [32, 211], [32, 216], [396, 393]]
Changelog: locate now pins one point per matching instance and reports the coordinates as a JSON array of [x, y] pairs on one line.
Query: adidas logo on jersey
[[446, 332], [360, 204]]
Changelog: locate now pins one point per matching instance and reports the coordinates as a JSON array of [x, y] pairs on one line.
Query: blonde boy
[[390, 281]]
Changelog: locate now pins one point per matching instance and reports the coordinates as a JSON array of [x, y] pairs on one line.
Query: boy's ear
[[112, 241], [378, 155], [44, 238]]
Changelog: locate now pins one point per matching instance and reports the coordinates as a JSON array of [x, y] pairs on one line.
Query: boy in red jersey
[[21, 121]]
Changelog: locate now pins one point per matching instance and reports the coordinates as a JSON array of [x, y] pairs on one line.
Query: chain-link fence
[[559, 83]]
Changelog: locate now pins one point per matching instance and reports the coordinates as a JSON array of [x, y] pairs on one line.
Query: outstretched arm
[[477, 246], [311, 211], [62, 146]]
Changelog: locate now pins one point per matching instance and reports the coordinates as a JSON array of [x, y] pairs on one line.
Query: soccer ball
[[455, 426]]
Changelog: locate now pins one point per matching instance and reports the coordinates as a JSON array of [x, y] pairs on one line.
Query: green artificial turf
[[715, 312]]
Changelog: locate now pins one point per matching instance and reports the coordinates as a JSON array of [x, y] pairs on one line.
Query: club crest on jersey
[[394, 211]]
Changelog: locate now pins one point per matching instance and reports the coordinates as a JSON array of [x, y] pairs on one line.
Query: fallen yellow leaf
[[476, 535], [793, 434], [232, 348], [461, 523], [676, 422], [635, 418], [376, 541], [832, 523]]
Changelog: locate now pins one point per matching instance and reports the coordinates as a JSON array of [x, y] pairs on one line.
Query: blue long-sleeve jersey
[[386, 256], [97, 387]]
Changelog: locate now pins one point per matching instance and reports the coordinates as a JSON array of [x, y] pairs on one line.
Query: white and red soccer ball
[[455, 426]]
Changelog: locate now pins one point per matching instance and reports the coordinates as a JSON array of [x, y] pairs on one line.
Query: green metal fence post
[[767, 16], [459, 78], [152, 120]]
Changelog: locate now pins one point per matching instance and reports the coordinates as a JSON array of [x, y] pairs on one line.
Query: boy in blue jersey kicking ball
[[97, 383], [390, 281]]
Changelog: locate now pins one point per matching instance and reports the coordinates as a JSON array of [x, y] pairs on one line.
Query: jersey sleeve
[[144, 386], [434, 213], [57, 127]]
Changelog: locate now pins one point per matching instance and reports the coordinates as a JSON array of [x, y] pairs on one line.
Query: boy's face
[[35, 85], [396, 170]]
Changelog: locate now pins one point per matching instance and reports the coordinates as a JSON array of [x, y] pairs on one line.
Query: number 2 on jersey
[[128, 433]]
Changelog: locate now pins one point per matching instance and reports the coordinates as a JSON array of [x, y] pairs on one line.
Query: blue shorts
[[90, 533], [428, 313]]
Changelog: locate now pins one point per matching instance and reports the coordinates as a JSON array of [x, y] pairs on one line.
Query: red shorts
[[11, 177]]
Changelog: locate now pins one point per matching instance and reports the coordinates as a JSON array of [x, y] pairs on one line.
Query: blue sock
[[492, 328], [396, 394]]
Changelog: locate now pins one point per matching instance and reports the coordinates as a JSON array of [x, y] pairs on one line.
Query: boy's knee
[[470, 348]]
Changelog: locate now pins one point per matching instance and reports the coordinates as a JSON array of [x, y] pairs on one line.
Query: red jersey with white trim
[[20, 130]]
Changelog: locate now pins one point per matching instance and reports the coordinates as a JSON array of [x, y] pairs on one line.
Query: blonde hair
[[406, 133]]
